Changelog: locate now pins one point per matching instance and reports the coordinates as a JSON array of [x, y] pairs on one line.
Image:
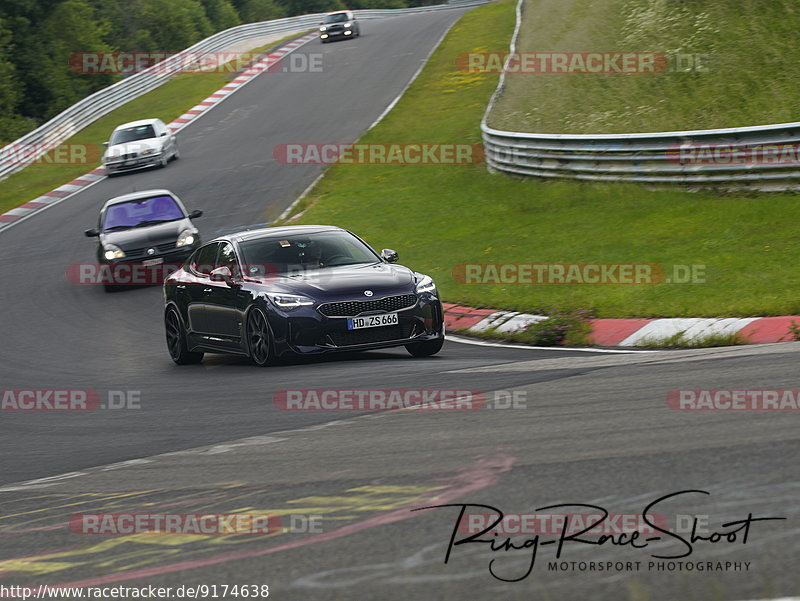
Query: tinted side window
[[205, 258], [227, 258]]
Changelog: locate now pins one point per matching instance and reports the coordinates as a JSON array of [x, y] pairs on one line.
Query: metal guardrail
[[763, 157], [52, 133]]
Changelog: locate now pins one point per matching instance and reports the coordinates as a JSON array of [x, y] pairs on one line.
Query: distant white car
[[140, 144]]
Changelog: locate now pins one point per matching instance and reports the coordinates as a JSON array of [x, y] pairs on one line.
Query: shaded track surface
[[590, 427]]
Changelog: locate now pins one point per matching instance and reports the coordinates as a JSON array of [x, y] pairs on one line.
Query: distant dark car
[[338, 25], [148, 228], [297, 289]]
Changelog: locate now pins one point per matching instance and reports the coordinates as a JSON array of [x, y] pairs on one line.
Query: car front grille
[[123, 157], [141, 252], [370, 335], [354, 308]]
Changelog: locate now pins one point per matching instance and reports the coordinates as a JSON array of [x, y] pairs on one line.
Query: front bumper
[[146, 270], [305, 331], [132, 164], [336, 35]]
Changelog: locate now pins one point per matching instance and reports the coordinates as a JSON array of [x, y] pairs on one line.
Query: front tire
[[425, 348], [259, 338], [176, 340]]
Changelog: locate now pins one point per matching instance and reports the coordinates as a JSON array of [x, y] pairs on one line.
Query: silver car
[[139, 144]]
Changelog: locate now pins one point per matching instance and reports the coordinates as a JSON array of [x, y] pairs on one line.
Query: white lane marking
[[413, 77], [213, 449], [778, 599], [542, 348], [41, 482]]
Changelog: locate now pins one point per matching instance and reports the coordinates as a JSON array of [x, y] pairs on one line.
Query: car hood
[[348, 281], [150, 235], [137, 147]]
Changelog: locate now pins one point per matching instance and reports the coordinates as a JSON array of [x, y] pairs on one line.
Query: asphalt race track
[[588, 427]]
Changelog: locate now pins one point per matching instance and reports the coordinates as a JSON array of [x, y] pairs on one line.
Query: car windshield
[[132, 134], [337, 18], [291, 254], [141, 212]]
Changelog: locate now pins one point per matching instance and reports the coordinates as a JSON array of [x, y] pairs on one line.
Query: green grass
[[440, 216], [167, 102], [747, 77]]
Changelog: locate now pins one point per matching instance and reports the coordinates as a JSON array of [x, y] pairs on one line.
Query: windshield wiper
[[114, 228], [346, 264], [155, 221]]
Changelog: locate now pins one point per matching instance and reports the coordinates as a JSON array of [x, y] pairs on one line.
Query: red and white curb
[[79, 184], [628, 332]]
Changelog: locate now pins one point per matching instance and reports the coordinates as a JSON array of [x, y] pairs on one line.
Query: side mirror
[[222, 274], [195, 214], [91, 233], [389, 255], [105, 143], [163, 133]]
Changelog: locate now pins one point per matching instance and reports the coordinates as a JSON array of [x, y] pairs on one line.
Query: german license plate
[[372, 321], [157, 261]]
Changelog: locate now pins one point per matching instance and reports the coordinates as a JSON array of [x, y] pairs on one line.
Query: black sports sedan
[[142, 235], [297, 289]]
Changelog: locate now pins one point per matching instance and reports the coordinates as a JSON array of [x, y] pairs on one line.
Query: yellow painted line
[[122, 553]]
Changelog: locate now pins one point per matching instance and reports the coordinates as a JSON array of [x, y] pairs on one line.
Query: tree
[[221, 14], [252, 11], [175, 24], [12, 124], [303, 7]]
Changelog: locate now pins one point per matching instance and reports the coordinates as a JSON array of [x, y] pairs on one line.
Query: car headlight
[[425, 284], [346, 25], [323, 28], [148, 151], [112, 251], [185, 238], [287, 302]]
